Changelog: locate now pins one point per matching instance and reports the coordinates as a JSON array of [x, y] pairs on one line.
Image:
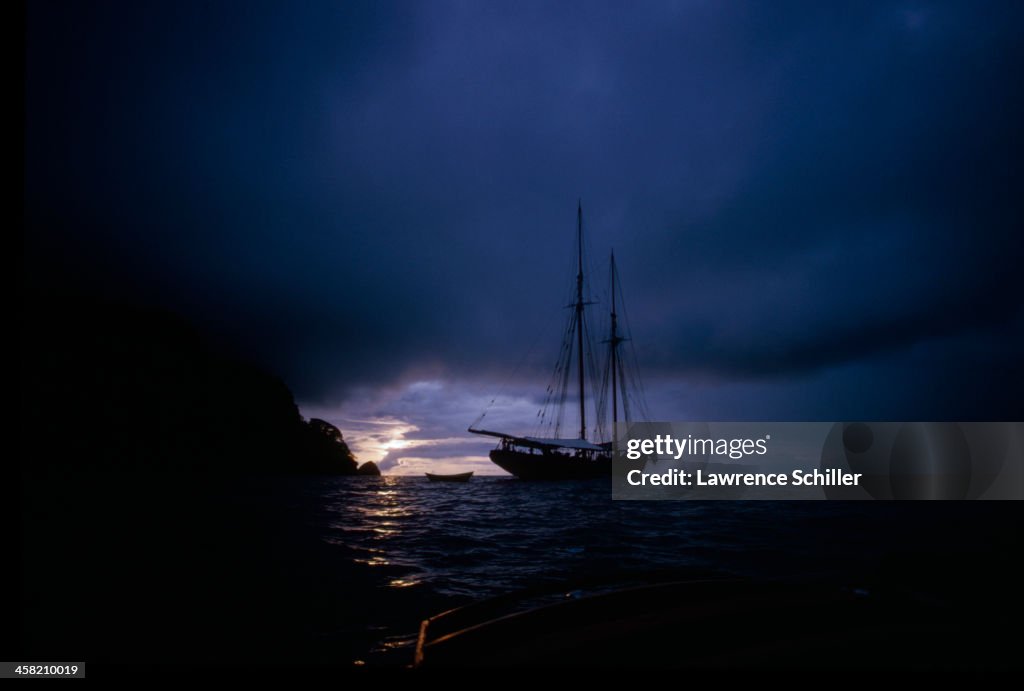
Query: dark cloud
[[364, 194]]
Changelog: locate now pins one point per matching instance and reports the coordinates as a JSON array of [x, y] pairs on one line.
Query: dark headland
[[151, 520], [128, 388]]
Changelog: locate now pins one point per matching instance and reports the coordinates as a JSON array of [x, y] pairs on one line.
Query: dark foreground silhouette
[[151, 521], [134, 389]]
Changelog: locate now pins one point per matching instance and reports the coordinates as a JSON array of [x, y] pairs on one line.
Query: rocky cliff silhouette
[[129, 388]]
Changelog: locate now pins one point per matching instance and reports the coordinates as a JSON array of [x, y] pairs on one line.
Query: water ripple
[[495, 534]]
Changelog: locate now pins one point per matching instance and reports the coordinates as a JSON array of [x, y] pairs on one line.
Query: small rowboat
[[456, 477]]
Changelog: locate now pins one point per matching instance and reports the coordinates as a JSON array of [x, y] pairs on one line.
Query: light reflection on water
[[417, 548], [492, 535]]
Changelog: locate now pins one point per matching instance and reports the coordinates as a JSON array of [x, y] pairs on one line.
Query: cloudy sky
[[816, 207]]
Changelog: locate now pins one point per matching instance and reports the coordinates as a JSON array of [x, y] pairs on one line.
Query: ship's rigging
[[613, 380]]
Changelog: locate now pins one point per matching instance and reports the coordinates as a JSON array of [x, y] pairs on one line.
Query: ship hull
[[552, 466]]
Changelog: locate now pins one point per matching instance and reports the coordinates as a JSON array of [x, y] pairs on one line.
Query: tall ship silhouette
[[604, 382]]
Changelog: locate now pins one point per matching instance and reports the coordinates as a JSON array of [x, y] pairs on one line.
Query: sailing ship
[[548, 455]]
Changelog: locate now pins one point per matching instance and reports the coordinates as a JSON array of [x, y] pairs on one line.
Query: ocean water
[[437, 545], [244, 570], [493, 535]]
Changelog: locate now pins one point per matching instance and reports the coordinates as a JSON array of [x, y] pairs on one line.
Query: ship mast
[[579, 319], [614, 341]]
